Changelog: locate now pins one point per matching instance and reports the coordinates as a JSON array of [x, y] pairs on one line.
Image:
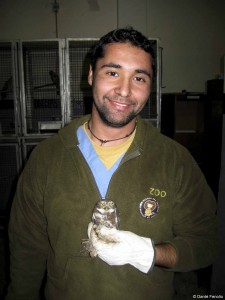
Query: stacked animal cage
[[78, 62], [42, 86], [10, 158]]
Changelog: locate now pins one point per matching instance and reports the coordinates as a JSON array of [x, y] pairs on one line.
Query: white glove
[[117, 247]]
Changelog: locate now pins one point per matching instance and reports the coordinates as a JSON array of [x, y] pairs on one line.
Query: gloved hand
[[117, 247]]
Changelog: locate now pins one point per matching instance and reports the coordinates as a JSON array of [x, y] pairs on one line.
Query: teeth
[[120, 104]]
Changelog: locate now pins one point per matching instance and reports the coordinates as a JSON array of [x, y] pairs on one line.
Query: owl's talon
[[87, 247]]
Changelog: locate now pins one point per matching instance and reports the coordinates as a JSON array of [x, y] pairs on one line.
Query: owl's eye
[[102, 204], [111, 204]]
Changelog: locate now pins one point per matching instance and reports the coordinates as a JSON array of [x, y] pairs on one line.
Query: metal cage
[[10, 161], [42, 86], [78, 62], [151, 111], [9, 116]]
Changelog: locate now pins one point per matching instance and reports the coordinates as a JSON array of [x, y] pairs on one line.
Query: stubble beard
[[110, 119]]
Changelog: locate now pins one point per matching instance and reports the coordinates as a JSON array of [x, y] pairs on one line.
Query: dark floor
[[186, 284]]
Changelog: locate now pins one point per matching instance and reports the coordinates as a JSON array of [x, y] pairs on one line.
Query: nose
[[123, 88]]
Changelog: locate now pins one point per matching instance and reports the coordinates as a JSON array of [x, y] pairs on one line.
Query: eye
[[139, 79], [112, 73], [111, 204], [102, 204]]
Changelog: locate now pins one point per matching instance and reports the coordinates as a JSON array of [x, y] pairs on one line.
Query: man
[[167, 211]]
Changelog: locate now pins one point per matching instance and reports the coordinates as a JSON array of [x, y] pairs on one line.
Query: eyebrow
[[138, 71], [144, 72], [111, 65]]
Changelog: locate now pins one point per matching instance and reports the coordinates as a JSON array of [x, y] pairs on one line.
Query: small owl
[[106, 214]]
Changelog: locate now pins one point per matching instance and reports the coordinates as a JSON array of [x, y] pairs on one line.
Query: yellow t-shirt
[[109, 155]]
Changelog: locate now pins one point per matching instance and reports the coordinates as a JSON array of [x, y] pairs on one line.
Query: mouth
[[121, 106]]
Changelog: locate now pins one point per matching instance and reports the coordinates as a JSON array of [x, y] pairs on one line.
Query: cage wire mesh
[[80, 91], [8, 173], [41, 83], [150, 111], [7, 114]]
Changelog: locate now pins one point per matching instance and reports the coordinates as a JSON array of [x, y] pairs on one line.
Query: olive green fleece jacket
[[53, 205]]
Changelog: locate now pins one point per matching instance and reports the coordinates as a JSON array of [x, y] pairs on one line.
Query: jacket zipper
[[129, 157]]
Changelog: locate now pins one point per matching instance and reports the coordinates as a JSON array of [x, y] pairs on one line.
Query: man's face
[[121, 83]]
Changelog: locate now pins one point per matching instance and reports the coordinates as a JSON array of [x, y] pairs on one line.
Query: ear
[[90, 76]]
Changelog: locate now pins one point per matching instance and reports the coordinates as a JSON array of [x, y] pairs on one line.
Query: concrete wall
[[191, 33]]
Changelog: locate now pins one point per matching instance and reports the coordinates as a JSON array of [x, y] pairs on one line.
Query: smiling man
[[134, 174]]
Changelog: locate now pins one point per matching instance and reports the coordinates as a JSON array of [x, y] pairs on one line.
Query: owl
[[106, 214]]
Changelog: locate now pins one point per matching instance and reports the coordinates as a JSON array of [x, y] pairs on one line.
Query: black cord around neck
[[107, 141]]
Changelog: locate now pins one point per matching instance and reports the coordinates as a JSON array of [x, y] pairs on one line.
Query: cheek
[[102, 87], [142, 95]]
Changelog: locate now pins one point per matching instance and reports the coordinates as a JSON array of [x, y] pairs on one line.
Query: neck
[[109, 137]]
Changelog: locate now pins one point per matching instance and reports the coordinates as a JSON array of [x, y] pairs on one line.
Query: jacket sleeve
[[27, 234], [194, 218]]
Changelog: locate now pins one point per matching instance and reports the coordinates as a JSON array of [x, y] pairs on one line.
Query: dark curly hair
[[126, 35]]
